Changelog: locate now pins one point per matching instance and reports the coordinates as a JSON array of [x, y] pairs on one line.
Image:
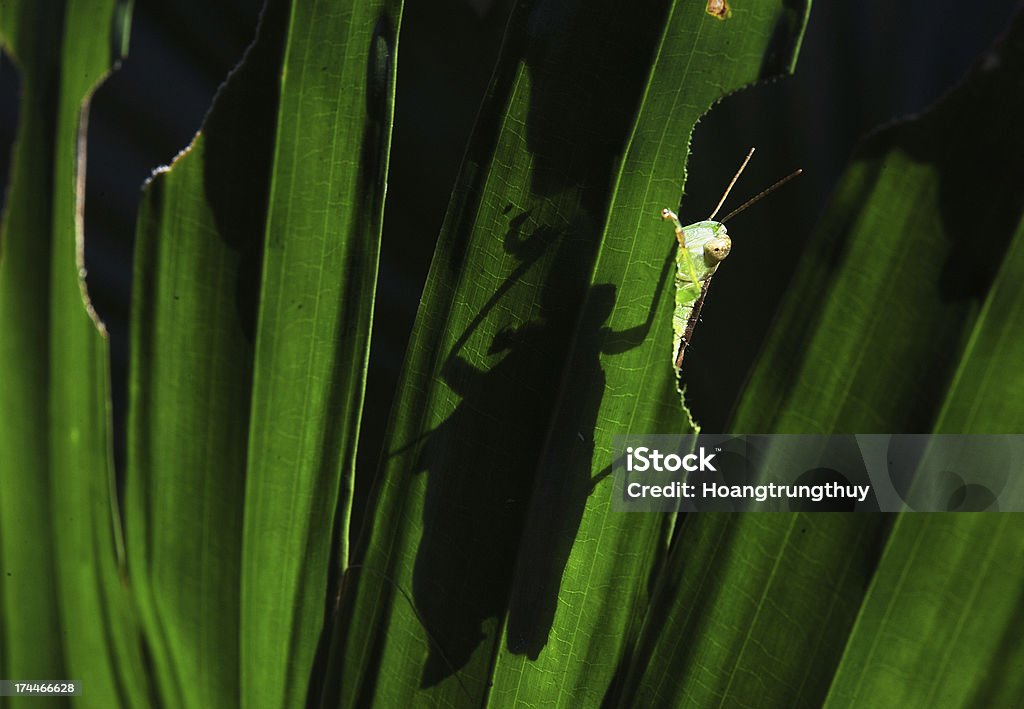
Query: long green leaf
[[758, 609], [907, 304], [590, 598], [194, 305], [30, 626], [323, 226], [58, 467], [753, 610], [256, 275], [940, 624], [987, 392], [883, 304], [544, 329]]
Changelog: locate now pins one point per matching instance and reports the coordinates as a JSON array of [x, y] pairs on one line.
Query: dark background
[[864, 63]]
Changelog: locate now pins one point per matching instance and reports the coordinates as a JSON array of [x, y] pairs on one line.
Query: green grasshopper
[[702, 246]]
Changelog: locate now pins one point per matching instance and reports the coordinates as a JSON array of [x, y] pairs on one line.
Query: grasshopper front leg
[[680, 233]]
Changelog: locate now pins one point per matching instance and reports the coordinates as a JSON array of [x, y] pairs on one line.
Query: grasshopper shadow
[[510, 471], [481, 460], [508, 367], [565, 479]]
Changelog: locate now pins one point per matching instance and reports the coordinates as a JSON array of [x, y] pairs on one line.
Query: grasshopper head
[[716, 249]]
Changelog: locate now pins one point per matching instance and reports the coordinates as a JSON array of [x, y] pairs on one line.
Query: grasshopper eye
[[716, 250], [666, 214]]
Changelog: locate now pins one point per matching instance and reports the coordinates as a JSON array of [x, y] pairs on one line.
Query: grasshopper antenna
[[729, 188], [757, 197]]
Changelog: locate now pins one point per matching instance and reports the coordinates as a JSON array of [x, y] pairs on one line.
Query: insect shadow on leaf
[[488, 483], [564, 478], [508, 365]]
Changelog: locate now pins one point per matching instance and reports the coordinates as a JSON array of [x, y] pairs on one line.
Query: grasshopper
[[702, 246]]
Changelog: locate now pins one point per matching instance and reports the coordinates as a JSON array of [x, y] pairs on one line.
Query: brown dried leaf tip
[[719, 9]]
